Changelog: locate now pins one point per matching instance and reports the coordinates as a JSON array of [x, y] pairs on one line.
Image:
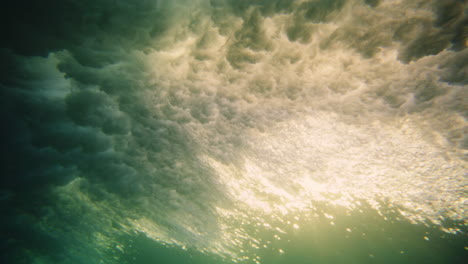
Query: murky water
[[235, 132]]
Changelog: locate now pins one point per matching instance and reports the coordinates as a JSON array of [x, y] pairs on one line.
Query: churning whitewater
[[224, 131]]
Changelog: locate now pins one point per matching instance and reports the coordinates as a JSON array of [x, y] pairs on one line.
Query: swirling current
[[234, 131]]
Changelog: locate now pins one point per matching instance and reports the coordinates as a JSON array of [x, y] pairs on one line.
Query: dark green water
[[233, 131]]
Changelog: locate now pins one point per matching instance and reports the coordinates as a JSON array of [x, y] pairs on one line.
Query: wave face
[[234, 131]]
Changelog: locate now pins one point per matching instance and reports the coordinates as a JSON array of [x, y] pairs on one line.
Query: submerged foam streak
[[317, 156], [227, 126]]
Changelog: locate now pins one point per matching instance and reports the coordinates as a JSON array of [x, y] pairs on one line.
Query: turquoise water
[[219, 131], [362, 237]]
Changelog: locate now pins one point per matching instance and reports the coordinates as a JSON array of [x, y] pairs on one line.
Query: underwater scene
[[234, 131]]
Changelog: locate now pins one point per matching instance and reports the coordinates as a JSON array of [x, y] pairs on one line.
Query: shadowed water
[[219, 131]]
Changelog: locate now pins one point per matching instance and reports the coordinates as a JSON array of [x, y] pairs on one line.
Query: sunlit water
[[242, 132]]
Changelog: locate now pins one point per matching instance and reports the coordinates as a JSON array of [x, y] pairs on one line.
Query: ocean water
[[234, 131]]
